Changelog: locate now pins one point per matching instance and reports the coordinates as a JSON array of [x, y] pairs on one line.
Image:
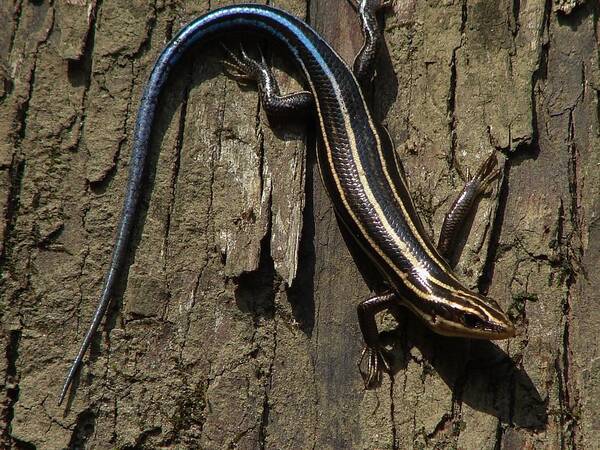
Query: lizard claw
[[486, 174], [234, 66], [377, 361], [370, 5], [242, 67]]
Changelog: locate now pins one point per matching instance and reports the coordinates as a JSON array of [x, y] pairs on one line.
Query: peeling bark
[[235, 324]]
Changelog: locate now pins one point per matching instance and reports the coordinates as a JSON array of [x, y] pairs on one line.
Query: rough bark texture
[[235, 326]]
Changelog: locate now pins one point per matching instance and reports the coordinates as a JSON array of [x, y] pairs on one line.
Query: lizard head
[[463, 313]]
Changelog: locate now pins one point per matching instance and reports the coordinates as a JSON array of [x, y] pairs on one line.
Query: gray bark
[[235, 326]]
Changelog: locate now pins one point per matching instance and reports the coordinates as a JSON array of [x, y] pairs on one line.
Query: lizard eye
[[472, 321]]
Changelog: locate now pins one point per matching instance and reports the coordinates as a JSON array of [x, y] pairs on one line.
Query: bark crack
[[264, 420], [395, 440], [571, 253], [83, 68], [451, 103], [173, 188], [15, 175], [22, 109], [216, 152], [11, 387], [17, 20], [487, 273]]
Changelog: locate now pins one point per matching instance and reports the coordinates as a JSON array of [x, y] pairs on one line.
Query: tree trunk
[[235, 326]]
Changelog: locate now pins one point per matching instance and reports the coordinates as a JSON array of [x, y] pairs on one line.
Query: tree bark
[[235, 325]]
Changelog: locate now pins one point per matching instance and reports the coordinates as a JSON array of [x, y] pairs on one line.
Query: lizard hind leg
[[463, 206], [246, 70]]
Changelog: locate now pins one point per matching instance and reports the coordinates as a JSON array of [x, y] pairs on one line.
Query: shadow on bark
[[478, 372]]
